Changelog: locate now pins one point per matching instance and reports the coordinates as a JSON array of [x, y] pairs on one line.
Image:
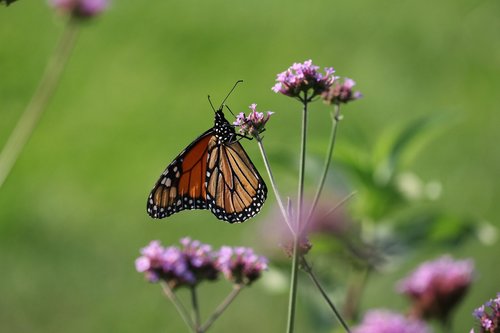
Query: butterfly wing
[[182, 184], [235, 190]]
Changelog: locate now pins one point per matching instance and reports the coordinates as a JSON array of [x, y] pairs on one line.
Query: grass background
[[72, 212]]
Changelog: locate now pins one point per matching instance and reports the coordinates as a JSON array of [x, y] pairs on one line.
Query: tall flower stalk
[[74, 11], [331, 144], [39, 101], [303, 82], [292, 300]]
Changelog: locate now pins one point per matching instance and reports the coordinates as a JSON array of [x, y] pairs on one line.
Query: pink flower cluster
[[240, 265], [254, 123], [303, 80], [341, 92], [384, 321], [80, 8], [435, 287], [195, 262]]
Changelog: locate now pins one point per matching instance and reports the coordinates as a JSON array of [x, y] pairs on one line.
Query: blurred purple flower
[[254, 124], [240, 265], [324, 224], [384, 321], [341, 92], [436, 287], [488, 315], [304, 78], [80, 8]]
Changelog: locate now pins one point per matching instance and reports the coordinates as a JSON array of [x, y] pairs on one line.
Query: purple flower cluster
[[169, 264], [303, 79], [341, 92], [240, 265], [80, 8], [195, 262], [384, 321], [488, 315], [436, 287], [254, 123]]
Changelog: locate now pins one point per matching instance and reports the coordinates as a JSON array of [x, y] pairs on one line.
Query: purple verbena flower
[[254, 123], [436, 287], [304, 81], [488, 315], [341, 92], [150, 262], [168, 264], [188, 266], [80, 8], [195, 262], [384, 321], [240, 265]]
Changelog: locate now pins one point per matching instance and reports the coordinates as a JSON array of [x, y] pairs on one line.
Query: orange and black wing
[[234, 188], [183, 183]]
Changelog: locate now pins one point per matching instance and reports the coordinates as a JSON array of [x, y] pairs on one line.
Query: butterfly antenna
[[227, 107], [210, 101], [229, 93]]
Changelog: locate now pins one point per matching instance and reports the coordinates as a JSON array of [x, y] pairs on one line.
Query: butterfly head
[[224, 131]]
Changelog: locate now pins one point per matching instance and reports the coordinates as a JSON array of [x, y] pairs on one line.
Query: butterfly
[[214, 172]]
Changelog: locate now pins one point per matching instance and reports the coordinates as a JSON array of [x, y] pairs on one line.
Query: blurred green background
[[72, 212]]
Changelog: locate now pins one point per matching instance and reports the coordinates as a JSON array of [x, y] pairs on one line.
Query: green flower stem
[[293, 286], [355, 292], [38, 103], [222, 307], [302, 165], [196, 309], [178, 305], [296, 237], [447, 324], [273, 184], [329, 153], [307, 268]]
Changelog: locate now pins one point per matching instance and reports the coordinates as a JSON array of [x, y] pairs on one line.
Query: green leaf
[[399, 146], [438, 228]]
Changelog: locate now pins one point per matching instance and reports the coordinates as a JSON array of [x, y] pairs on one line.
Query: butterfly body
[[213, 172]]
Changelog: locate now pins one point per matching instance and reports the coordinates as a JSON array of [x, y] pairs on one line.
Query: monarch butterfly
[[214, 172]]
